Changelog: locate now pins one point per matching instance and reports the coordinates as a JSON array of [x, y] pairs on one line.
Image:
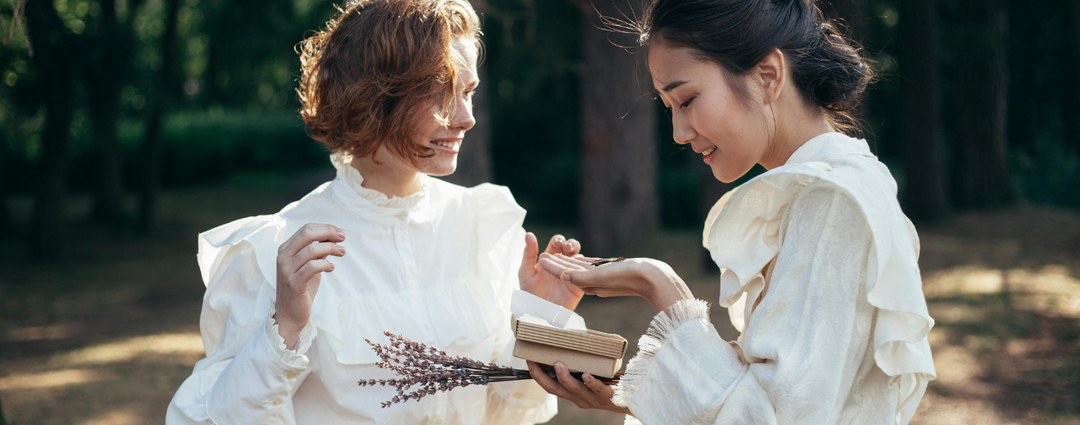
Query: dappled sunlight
[[123, 416], [132, 348], [37, 333], [1005, 338], [53, 379], [963, 280]]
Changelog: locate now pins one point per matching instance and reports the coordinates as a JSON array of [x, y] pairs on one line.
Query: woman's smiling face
[[707, 113]]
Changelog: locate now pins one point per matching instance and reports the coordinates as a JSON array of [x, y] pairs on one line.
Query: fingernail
[[341, 249], [586, 377], [332, 266], [565, 277], [341, 233]]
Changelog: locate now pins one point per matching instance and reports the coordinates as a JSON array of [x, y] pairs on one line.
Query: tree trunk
[[5, 213], [618, 162], [53, 64], [1070, 62], [981, 167], [920, 99], [107, 67], [474, 161], [161, 100]]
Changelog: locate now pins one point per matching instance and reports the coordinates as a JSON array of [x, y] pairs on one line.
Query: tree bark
[[618, 161], [161, 101], [109, 60], [920, 100], [981, 165], [474, 161], [53, 63]]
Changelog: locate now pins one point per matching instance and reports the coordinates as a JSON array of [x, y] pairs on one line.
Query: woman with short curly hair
[[387, 86]]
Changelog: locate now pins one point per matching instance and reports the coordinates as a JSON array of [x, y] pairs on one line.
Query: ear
[[772, 74]]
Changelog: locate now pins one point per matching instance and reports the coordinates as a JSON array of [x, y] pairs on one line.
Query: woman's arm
[[805, 342], [251, 370], [650, 279]]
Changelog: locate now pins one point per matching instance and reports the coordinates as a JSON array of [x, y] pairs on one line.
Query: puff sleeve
[[805, 346], [248, 375]]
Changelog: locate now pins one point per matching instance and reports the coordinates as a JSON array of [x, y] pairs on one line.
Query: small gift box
[[596, 353]]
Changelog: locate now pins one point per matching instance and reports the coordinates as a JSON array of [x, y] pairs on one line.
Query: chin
[[441, 168], [725, 174]]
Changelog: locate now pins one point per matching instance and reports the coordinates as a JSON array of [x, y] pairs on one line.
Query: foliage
[[236, 108]]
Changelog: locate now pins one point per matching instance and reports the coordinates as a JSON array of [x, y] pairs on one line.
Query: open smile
[[447, 146], [708, 155]]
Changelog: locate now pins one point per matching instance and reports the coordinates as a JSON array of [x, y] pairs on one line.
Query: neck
[[792, 131], [388, 174]]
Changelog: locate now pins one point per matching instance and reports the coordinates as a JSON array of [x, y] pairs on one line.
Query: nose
[[681, 132], [463, 117]]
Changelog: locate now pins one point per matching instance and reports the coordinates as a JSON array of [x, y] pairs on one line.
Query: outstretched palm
[[535, 280]]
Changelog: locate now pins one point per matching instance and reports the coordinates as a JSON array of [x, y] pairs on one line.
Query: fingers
[[602, 390], [313, 251], [557, 265], [571, 248], [576, 387], [552, 386], [528, 259], [310, 269], [310, 233], [556, 245]]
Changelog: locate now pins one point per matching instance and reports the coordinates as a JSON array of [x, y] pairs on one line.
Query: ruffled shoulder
[[264, 233], [743, 236], [500, 239]]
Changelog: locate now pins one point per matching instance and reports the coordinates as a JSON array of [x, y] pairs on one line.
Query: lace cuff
[[660, 330]]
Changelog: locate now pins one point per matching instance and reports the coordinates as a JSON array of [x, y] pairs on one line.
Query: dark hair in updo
[[827, 69]]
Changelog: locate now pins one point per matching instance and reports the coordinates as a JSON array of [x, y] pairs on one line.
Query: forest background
[[127, 126]]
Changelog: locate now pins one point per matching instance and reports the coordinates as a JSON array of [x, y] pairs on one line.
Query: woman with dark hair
[[820, 271], [387, 87]]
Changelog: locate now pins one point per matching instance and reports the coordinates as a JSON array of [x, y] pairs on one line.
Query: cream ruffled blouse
[[820, 275], [438, 267]]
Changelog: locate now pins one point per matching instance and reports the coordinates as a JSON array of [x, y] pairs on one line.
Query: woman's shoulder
[[486, 199]]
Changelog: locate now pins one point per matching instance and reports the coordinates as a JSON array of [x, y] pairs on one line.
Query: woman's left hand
[[536, 281], [651, 279], [587, 394]]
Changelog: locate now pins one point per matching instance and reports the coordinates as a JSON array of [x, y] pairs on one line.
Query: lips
[[708, 154], [447, 146]]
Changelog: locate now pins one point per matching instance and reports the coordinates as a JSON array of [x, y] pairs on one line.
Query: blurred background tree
[[127, 126], [975, 109]]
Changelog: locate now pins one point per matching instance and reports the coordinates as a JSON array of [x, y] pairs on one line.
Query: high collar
[[352, 177], [828, 145]]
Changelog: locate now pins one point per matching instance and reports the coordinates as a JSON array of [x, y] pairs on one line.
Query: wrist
[[664, 288], [290, 332]]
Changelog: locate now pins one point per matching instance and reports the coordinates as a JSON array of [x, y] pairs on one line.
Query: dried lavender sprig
[[433, 370]]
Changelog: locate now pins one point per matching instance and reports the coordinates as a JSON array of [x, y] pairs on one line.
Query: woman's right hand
[[300, 263]]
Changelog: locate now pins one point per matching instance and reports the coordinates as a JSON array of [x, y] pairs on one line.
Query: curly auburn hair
[[378, 69]]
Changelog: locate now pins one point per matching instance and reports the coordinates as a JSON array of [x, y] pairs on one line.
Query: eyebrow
[[672, 85]]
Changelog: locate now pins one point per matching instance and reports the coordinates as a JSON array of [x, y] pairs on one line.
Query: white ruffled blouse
[[822, 279], [438, 267]]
